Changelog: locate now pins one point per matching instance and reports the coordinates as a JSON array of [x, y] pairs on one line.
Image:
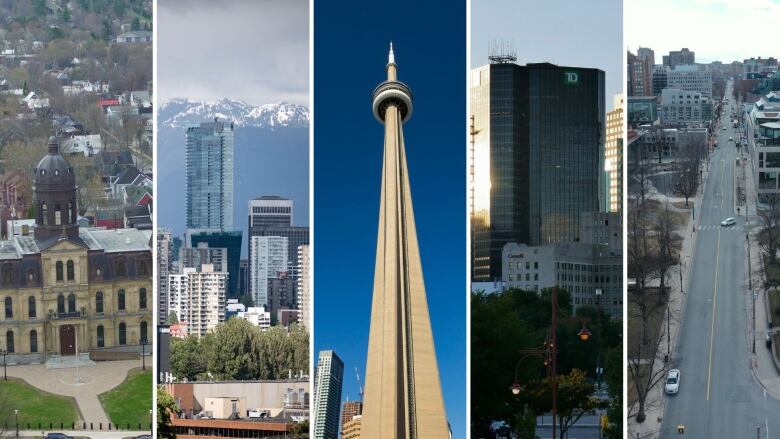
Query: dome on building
[[53, 169]]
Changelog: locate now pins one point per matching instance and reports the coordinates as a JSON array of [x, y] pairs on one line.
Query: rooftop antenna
[[501, 52]]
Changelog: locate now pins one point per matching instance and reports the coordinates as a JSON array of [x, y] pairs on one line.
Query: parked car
[[672, 382], [731, 139], [728, 222], [58, 436]]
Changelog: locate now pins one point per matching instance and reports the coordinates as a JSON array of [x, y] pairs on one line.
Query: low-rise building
[[682, 107]]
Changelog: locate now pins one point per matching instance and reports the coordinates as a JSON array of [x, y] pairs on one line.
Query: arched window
[[142, 298], [71, 303], [31, 307], [101, 337], [44, 213], [99, 302], [122, 334], [9, 341], [71, 271], [8, 274], [120, 268], [58, 267], [121, 300], [9, 308], [60, 304], [57, 215], [70, 212], [33, 341], [144, 333]]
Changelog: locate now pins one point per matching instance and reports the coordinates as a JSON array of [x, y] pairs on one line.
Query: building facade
[[538, 156], [690, 78], [304, 287], [327, 402], [209, 176], [679, 57], [66, 289], [267, 258], [683, 107], [613, 162], [198, 298], [164, 269]]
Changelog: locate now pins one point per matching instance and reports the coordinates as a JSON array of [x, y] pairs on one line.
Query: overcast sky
[[717, 30], [256, 51], [572, 33]]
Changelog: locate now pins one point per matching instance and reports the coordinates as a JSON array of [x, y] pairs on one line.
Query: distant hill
[[271, 155]]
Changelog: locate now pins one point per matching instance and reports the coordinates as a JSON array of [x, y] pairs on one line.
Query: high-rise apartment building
[[304, 287], [350, 409], [281, 293], [209, 176], [538, 156], [198, 298], [268, 256], [646, 53], [164, 265], [640, 75], [227, 239], [327, 401], [351, 429], [613, 163]]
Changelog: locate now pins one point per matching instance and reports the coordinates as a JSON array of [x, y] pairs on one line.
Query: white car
[[728, 222], [724, 128], [672, 382], [731, 139]]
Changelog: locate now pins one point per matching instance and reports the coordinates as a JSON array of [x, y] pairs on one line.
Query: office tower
[[330, 374], [228, 239], [403, 395], [198, 298], [267, 258], [350, 409], [304, 287], [202, 254], [538, 156], [281, 293], [679, 57], [164, 265], [273, 216], [660, 79], [690, 78], [646, 53], [209, 171], [614, 156]]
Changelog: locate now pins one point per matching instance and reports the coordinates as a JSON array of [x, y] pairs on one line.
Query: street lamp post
[[144, 342]]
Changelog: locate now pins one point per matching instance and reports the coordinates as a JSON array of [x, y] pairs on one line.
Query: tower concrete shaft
[[403, 398]]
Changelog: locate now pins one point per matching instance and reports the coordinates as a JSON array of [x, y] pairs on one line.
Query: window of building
[[144, 332], [101, 340], [30, 275], [99, 302], [71, 303], [58, 268], [71, 271], [31, 307], [70, 213], [57, 215], [44, 213], [142, 298], [122, 334], [33, 341], [9, 341], [60, 304], [9, 308], [120, 268], [8, 274], [121, 300]]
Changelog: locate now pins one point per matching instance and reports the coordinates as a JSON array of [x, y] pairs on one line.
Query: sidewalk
[[654, 404], [763, 367], [79, 433]]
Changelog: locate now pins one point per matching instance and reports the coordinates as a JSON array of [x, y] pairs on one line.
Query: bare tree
[[642, 261], [689, 158], [668, 242], [769, 238]]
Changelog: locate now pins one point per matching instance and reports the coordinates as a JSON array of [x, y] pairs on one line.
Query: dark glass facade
[[546, 166], [231, 240]]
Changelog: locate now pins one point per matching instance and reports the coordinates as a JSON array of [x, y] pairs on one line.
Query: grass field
[[131, 401], [35, 406]]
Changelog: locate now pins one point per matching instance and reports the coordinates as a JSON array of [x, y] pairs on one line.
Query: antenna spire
[[391, 55]]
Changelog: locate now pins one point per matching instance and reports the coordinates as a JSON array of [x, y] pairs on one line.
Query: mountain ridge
[[183, 112]]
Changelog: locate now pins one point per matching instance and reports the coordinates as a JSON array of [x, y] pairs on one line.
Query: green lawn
[[35, 406], [130, 401]]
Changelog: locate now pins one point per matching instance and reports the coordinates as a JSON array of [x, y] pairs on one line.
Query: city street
[[718, 397]]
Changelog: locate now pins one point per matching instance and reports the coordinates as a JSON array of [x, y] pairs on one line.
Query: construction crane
[[357, 374]]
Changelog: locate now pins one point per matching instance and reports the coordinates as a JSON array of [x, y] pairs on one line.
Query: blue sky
[[350, 53], [572, 33], [717, 30]]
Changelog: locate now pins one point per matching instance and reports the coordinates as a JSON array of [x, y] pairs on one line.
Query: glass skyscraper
[[327, 400], [209, 170], [537, 156]]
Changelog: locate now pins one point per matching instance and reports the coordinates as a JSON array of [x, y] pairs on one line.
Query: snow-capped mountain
[[179, 113]]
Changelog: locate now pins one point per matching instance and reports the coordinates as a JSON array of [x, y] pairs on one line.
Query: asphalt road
[[718, 398]]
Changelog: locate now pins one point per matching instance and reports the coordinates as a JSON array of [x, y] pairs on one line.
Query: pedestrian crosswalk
[[718, 226]]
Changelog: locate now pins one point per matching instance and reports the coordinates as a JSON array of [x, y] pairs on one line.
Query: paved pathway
[[89, 434], [94, 380]]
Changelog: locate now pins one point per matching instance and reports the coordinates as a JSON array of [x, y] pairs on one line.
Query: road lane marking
[[715, 292]]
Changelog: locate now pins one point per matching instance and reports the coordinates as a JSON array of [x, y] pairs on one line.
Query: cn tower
[[403, 398]]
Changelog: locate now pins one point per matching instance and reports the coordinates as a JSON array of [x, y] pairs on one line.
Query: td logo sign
[[572, 78]]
